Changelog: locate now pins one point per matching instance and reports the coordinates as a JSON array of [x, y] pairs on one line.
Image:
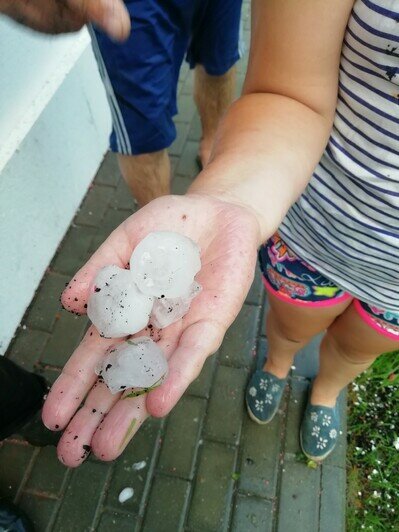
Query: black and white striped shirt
[[346, 223]]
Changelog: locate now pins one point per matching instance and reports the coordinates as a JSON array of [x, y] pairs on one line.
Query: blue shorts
[[141, 75]]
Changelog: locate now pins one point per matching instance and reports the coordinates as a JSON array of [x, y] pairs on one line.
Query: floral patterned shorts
[[293, 280]]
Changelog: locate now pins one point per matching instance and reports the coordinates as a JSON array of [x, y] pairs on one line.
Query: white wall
[[54, 126]]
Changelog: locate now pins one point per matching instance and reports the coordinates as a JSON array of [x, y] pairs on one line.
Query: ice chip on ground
[[138, 466], [125, 495], [117, 307], [168, 310], [165, 264], [136, 363]]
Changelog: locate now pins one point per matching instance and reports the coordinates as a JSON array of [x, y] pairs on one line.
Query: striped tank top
[[346, 223]]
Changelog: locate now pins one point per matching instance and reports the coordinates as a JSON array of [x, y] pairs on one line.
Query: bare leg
[[213, 95], [290, 327], [349, 348], [147, 175]]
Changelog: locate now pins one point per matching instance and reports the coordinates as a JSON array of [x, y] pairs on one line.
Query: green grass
[[373, 448]]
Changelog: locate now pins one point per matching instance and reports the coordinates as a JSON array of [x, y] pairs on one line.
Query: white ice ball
[[168, 310], [136, 363], [165, 264], [117, 307]]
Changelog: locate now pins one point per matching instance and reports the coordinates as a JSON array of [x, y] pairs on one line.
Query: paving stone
[[174, 161], [94, 205], [112, 219], [225, 409], [260, 456], [68, 331], [188, 165], [195, 132], [188, 85], [306, 362], [14, 461], [261, 350], [27, 347], [296, 406], [167, 505], [123, 199], [251, 513], [180, 441], [43, 313], [180, 184], [141, 448], [238, 348], [118, 522], [186, 108], [211, 503], [48, 474], [201, 387], [108, 173], [338, 457], [81, 498], [50, 374], [256, 291], [299, 498], [263, 318], [181, 136], [333, 499], [74, 250], [40, 510]]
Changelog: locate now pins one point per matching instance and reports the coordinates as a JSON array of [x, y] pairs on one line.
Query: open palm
[[228, 237]]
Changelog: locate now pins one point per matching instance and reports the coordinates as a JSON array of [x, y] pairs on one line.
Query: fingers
[[197, 342], [110, 15], [75, 444], [119, 427], [128, 414], [76, 379]]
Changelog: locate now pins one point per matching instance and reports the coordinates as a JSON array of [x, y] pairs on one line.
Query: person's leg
[[140, 78], [349, 347], [213, 95], [147, 175], [290, 327], [214, 49]]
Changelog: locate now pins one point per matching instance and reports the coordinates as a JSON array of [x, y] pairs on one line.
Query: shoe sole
[[254, 418], [314, 458]]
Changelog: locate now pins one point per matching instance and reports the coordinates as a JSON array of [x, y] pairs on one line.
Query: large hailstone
[[165, 264], [168, 310], [136, 363], [117, 307]]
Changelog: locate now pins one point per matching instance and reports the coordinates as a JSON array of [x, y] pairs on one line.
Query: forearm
[[266, 150]]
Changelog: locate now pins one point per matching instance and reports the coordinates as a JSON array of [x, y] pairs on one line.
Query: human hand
[[228, 236], [63, 16]]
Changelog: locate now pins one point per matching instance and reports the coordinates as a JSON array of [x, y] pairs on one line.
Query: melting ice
[[165, 264], [136, 363], [117, 307], [168, 310]]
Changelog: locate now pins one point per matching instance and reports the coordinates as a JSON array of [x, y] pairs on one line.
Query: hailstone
[[117, 307], [168, 310], [165, 264], [136, 363]]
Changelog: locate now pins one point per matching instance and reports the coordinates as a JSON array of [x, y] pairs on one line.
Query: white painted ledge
[[54, 127]]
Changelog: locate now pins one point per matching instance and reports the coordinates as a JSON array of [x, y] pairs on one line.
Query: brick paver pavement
[[208, 467]]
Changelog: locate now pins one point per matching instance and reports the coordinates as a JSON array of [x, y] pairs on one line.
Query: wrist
[[222, 199]]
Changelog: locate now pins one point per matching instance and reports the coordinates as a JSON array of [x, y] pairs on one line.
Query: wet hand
[[228, 236]]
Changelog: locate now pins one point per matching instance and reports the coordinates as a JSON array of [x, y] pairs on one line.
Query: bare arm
[[272, 138]]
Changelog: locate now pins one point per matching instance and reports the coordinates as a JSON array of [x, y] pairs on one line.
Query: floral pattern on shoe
[[319, 431], [263, 396]]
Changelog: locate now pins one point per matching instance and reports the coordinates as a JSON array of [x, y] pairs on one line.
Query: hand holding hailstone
[[158, 289]]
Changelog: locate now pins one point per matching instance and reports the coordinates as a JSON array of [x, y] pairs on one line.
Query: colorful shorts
[[291, 279]]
